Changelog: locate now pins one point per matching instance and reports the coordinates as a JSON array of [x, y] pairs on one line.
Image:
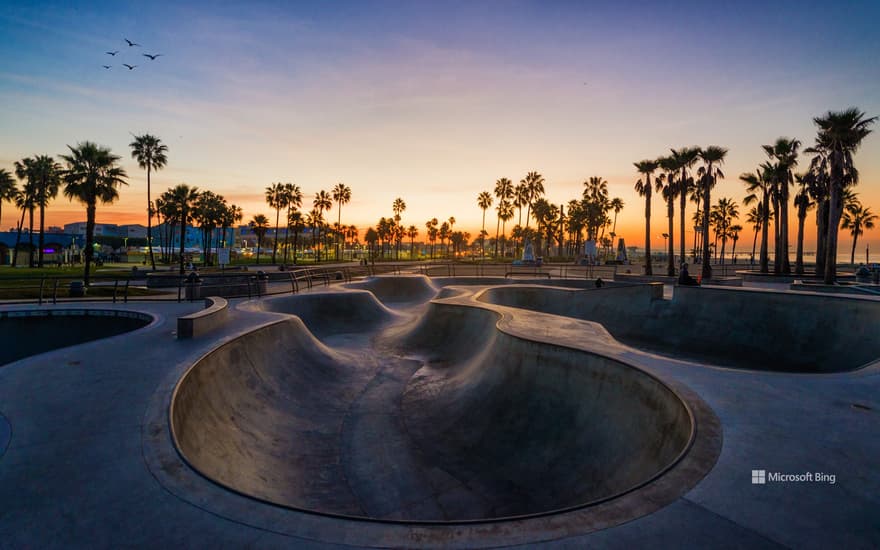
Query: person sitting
[[685, 279]]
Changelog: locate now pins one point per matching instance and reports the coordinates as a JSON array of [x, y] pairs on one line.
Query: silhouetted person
[[684, 278]]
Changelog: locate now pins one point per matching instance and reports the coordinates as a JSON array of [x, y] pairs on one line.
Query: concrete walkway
[[88, 458]]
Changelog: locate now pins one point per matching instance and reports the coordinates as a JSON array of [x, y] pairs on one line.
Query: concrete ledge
[[195, 324]]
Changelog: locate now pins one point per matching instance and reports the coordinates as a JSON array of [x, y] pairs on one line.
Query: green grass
[[33, 292]]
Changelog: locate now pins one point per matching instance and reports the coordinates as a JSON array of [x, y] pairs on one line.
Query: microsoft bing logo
[[759, 477]]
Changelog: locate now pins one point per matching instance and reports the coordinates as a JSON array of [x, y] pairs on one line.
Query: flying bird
[[112, 53], [130, 67], [152, 57], [130, 43], [106, 66]]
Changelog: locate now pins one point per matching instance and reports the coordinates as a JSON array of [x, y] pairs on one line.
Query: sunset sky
[[431, 101]]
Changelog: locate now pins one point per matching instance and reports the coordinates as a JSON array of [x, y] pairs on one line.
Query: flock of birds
[[150, 56]]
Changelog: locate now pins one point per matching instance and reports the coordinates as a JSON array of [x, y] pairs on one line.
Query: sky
[[430, 101]]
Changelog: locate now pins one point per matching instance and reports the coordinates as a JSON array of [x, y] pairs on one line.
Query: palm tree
[[398, 206], [755, 183], [43, 175], [669, 189], [321, 203], [91, 175], [534, 183], [8, 190], [431, 227], [840, 134], [616, 205], [27, 202], [784, 152], [643, 188], [342, 195], [683, 159], [505, 213], [412, 232], [711, 156], [276, 197], [520, 199], [725, 211], [857, 218], [484, 201], [803, 202], [150, 154], [259, 224], [504, 193], [294, 196], [734, 231], [183, 197]]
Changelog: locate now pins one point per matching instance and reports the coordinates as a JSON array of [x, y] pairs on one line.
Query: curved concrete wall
[[490, 426], [744, 328], [332, 313], [26, 333]]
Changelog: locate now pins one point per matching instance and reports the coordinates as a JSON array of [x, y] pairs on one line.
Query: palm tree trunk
[[706, 268], [821, 236], [497, 227], [150, 222], [799, 257], [275, 240], [338, 225], [786, 264], [18, 238], [42, 228], [681, 217], [90, 240], [483, 233], [723, 247], [852, 256], [834, 211], [31, 237], [670, 212], [182, 237], [765, 260], [648, 269], [755, 242], [286, 236]]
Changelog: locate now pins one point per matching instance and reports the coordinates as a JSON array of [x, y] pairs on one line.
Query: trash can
[[262, 282], [193, 286], [77, 289]]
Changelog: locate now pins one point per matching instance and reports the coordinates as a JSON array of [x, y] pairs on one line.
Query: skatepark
[[414, 411]]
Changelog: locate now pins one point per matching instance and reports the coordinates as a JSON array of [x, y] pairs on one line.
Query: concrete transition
[[29, 332], [321, 412], [744, 328]]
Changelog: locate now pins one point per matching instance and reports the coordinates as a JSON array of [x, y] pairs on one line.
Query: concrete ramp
[[744, 328], [449, 419], [399, 289], [328, 314]]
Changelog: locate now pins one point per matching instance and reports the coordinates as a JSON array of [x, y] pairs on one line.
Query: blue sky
[[430, 101]]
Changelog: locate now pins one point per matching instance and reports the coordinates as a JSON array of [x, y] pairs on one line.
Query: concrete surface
[[746, 328], [91, 461], [216, 313]]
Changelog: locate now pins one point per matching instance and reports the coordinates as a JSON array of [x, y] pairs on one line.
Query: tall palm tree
[[725, 212], [183, 197], [712, 157], [803, 202], [669, 189], [504, 193], [840, 133], [684, 159], [534, 183], [91, 175], [342, 195], [259, 224], [760, 182], [520, 199], [294, 196], [295, 222], [321, 203], [8, 190], [505, 213], [412, 232], [734, 231], [27, 202], [484, 201], [43, 175], [276, 197], [616, 205], [398, 207], [643, 188], [784, 152], [857, 218], [150, 154]]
